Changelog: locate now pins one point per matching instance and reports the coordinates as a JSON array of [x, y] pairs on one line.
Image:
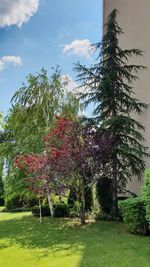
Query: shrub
[[35, 211], [88, 199], [74, 211], [72, 198], [2, 201], [104, 194], [19, 201], [45, 211], [61, 210], [103, 217], [146, 194], [133, 211], [30, 202], [14, 202]]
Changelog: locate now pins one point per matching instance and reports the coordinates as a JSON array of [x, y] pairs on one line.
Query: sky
[[45, 33]]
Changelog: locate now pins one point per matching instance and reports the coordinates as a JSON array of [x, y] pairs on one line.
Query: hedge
[[60, 210], [18, 201], [133, 211], [146, 194]]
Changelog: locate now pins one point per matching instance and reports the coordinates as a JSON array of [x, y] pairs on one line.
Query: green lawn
[[59, 243]]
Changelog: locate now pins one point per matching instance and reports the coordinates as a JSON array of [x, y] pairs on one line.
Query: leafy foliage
[[146, 194], [61, 210], [72, 197], [104, 194], [32, 114], [45, 210], [34, 107], [134, 212], [71, 159], [14, 202], [108, 84], [88, 198], [46, 171], [20, 201]]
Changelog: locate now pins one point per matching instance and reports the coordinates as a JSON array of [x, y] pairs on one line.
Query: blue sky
[[44, 33]]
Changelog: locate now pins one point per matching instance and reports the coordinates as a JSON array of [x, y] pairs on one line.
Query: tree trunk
[[114, 187], [40, 208], [51, 207], [82, 209]]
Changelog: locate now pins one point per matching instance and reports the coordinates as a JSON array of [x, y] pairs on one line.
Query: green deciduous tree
[[109, 85], [34, 107], [33, 111]]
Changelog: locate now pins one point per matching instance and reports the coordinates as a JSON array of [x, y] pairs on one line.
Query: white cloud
[[79, 47], [69, 84], [72, 86], [17, 12], [9, 59]]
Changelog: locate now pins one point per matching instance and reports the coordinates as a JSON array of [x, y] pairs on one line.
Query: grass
[[61, 243], [1, 208]]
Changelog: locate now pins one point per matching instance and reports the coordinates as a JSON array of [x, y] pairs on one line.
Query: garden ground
[[62, 243]]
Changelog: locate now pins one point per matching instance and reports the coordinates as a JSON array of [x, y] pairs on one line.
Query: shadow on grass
[[101, 243], [53, 234]]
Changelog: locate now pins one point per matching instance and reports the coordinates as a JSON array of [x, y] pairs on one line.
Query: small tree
[[71, 153], [45, 172], [109, 85], [85, 157], [32, 113]]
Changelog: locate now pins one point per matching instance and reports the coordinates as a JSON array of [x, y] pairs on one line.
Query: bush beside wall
[[133, 211], [146, 194]]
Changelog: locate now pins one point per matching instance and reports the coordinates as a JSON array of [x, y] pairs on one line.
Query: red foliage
[[67, 149], [41, 170]]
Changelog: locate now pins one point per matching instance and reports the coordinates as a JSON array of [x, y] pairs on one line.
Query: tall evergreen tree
[[109, 87]]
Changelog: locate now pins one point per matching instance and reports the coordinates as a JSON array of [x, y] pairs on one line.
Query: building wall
[[134, 19]]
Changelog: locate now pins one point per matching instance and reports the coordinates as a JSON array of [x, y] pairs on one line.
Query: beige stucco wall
[[134, 19]]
